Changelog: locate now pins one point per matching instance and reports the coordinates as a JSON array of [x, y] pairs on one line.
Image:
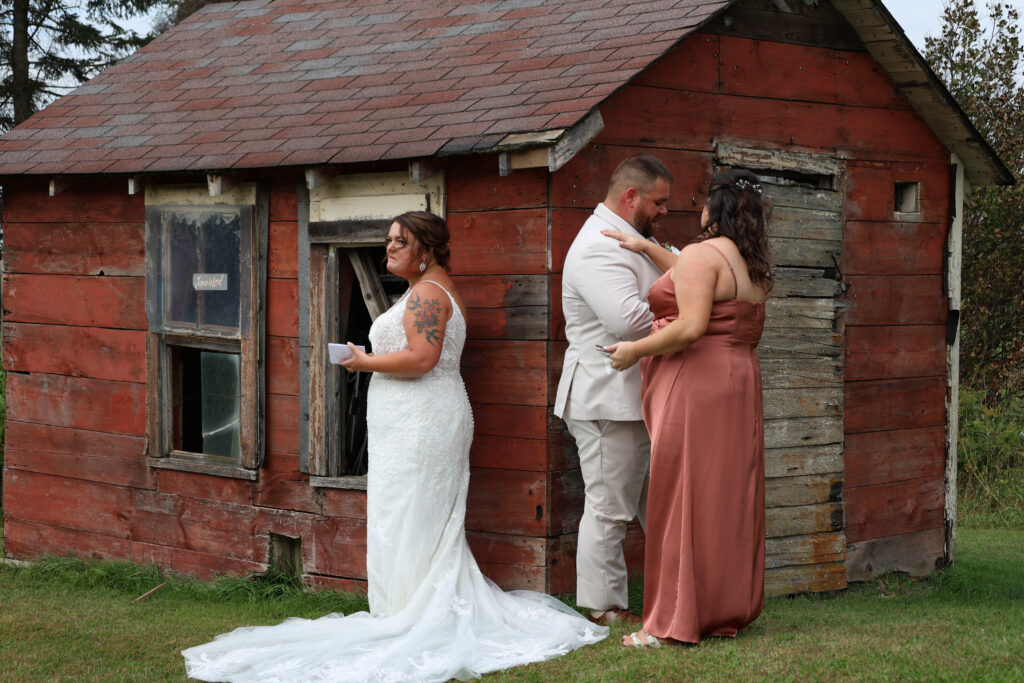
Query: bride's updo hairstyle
[[432, 233], [736, 210]]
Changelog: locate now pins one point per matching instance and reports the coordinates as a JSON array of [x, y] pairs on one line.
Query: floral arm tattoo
[[427, 317]]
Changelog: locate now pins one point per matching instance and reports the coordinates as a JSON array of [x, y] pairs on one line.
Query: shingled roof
[[307, 82], [297, 82]]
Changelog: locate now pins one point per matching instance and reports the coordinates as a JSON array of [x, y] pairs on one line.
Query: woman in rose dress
[[704, 564]]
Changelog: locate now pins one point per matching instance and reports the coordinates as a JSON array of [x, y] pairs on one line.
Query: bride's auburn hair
[[431, 232], [737, 211]]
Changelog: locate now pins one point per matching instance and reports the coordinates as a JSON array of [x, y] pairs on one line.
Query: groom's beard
[[644, 225]]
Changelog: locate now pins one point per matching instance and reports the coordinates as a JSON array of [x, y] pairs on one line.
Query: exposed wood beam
[[318, 176], [422, 169], [59, 183], [219, 183], [134, 184]]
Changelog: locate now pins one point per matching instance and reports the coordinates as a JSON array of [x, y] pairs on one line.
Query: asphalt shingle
[[295, 82]]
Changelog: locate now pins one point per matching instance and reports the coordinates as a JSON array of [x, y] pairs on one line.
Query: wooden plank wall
[[812, 92], [76, 478]]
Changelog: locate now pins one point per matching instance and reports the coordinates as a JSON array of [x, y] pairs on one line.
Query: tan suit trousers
[[614, 459]]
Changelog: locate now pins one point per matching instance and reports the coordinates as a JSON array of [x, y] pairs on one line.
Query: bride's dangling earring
[[423, 266]]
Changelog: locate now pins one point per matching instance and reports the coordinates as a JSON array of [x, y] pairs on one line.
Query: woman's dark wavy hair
[[432, 233], [736, 207]]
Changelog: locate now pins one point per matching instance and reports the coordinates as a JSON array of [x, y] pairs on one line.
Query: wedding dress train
[[433, 614]]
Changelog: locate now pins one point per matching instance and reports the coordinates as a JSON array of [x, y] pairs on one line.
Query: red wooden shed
[[185, 232]]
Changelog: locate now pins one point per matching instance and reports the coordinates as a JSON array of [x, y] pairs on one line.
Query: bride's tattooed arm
[[426, 317]]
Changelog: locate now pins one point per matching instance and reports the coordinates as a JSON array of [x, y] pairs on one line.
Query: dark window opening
[[206, 400], [354, 323], [285, 556], [907, 197]]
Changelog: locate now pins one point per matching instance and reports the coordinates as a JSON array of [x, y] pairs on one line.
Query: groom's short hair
[[639, 171]]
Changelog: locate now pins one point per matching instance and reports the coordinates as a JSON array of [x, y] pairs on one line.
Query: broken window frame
[[165, 338]]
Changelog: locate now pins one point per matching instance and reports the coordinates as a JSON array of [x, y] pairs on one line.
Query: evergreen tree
[[983, 67], [49, 47]]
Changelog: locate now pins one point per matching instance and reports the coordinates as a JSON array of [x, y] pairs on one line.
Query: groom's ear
[[630, 197]]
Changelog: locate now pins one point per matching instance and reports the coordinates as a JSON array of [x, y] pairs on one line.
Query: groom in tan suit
[[604, 299]]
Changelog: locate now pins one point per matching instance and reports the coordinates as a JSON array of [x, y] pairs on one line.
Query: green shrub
[[990, 470]]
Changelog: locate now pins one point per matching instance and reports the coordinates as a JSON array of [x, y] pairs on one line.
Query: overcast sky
[[924, 17]]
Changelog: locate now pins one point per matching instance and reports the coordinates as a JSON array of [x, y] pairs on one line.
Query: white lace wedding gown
[[433, 614]]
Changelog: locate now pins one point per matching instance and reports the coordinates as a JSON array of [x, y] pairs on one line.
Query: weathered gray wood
[[157, 421], [810, 578], [177, 460], [352, 483], [818, 314], [351, 233], [806, 22], [801, 460], [334, 426], [790, 373], [809, 549], [804, 490], [369, 282], [804, 282], [318, 454], [803, 402], [800, 197], [805, 224], [302, 209], [804, 519], [574, 139], [787, 251], [917, 554], [764, 159], [805, 431], [799, 343]]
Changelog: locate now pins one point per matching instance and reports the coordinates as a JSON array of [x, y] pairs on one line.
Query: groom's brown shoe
[[615, 616]]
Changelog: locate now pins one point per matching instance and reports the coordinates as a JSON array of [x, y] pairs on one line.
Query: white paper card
[[340, 352]]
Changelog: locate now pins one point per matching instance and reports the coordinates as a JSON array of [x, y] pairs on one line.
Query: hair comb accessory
[[745, 184]]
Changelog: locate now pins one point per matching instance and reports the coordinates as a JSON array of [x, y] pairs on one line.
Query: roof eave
[[889, 46]]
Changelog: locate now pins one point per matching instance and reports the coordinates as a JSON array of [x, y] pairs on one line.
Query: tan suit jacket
[[604, 300]]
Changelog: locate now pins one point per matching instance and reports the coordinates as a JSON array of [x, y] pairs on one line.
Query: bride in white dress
[[433, 615]]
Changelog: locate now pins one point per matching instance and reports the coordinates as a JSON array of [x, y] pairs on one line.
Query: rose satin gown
[[704, 564]]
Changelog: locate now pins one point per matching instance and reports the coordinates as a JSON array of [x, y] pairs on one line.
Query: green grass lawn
[[71, 620]]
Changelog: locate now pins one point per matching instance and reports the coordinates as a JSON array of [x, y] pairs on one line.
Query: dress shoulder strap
[[735, 283]]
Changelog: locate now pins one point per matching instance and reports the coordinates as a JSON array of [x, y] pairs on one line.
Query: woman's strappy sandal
[[649, 641]]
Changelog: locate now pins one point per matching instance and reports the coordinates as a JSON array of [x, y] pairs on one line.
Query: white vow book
[[341, 352]]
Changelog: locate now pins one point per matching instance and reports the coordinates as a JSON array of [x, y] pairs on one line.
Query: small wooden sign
[[210, 282]]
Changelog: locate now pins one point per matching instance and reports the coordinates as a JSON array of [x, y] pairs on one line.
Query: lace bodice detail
[[387, 334]]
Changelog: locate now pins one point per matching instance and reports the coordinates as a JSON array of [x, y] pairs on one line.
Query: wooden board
[[802, 460], [283, 366], [918, 554], [283, 259], [870, 190], [27, 540], [197, 524], [196, 485], [282, 308], [204, 566], [473, 184], [895, 404], [77, 402], [699, 118], [893, 352], [808, 489], [87, 200], [798, 72], [896, 300], [803, 402], [804, 519], [893, 508], [499, 242], [691, 65], [339, 548], [282, 423], [118, 302], [507, 501], [893, 248], [87, 466], [113, 249], [895, 455], [512, 372], [76, 351], [42, 438], [812, 578], [68, 503], [283, 486], [502, 291], [799, 550]]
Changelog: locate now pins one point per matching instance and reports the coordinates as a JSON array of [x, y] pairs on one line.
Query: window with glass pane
[[200, 286]]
